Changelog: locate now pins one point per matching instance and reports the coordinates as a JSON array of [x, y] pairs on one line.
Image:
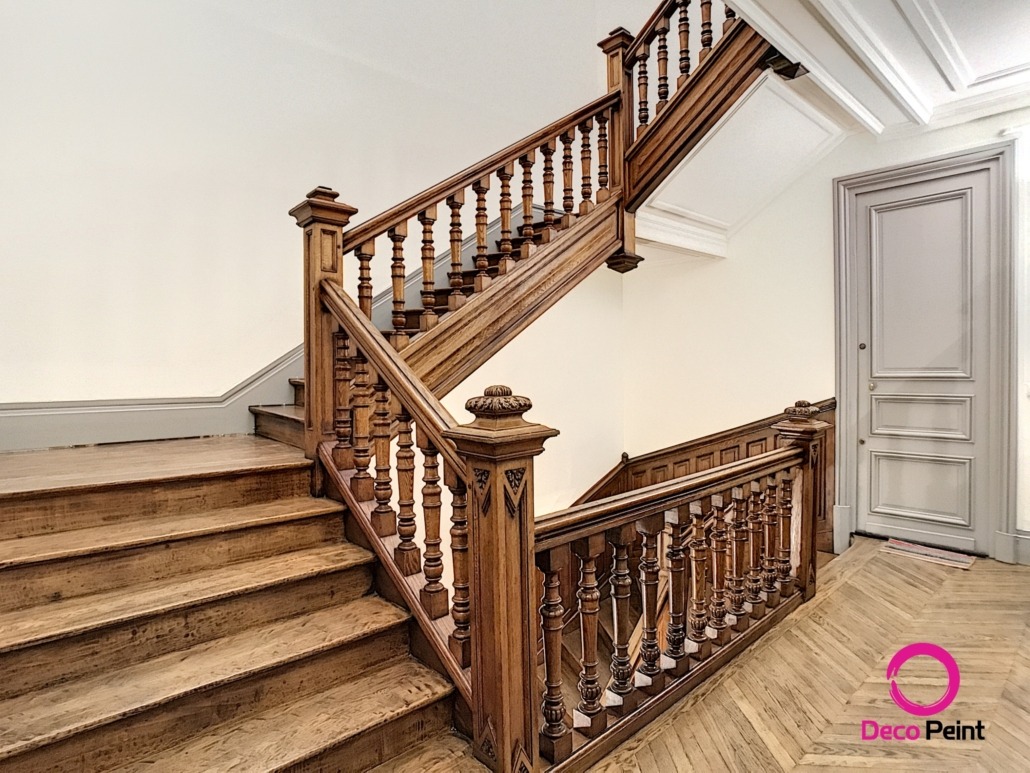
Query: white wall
[[569, 364], [150, 152]]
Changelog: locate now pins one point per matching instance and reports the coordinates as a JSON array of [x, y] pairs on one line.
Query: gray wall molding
[[26, 426]]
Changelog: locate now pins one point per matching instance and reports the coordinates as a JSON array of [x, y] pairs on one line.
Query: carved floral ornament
[[498, 401], [802, 410]]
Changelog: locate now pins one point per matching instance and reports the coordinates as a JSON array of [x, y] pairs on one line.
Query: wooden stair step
[[284, 423], [75, 488], [443, 753], [298, 391], [352, 726], [118, 715], [96, 559]]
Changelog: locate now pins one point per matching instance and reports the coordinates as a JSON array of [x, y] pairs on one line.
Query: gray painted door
[[924, 256]]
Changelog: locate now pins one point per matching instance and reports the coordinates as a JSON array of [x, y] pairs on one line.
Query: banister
[[429, 412], [436, 193], [579, 521], [648, 30]]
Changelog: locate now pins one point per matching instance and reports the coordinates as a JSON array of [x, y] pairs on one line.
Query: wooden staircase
[[164, 605]]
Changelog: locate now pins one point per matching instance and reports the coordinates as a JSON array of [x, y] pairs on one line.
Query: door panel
[[923, 258]]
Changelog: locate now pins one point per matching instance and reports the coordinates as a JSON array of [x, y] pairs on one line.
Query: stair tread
[[127, 534], [83, 468], [443, 753], [288, 412], [48, 715], [33, 625], [290, 733]]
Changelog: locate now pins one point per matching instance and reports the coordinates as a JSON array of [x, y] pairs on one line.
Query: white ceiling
[[881, 65]]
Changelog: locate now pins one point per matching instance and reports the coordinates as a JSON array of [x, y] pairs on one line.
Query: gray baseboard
[[51, 425]]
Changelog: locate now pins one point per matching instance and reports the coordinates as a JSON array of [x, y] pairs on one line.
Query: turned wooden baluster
[[384, 519], [550, 216], [769, 573], [737, 521], [504, 174], [365, 253], [678, 520], [731, 16], [397, 234], [433, 595], [783, 563], [684, 32], [650, 677], [602, 158], [754, 599], [589, 718], [567, 168], [527, 233], [718, 628], [555, 736], [586, 205], [457, 298], [706, 29], [621, 699], [361, 412], [460, 641], [697, 638], [482, 280], [428, 319], [406, 555], [343, 452], [663, 65], [642, 111]]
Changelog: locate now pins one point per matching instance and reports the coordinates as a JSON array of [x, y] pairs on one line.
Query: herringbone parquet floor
[[796, 700]]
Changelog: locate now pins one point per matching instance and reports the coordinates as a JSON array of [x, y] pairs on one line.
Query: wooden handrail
[[406, 387], [410, 208], [647, 32], [579, 521]]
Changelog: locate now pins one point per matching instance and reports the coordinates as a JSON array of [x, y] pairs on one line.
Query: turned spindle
[[754, 599], [697, 638], [397, 235], [482, 280], [406, 555], [365, 252], [678, 520], [550, 215], [589, 718], [684, 34], [567, 168], [504, 174], [736, 519], [706, 28], [555, 736], [602, 159], [457, 298], [621, 699], [718, 627], [526, 231], [663, 65], [650, 677], [433, 594], [428, 319], [460, 640], [770, 512], [384, 519], [783, 562], [731, 16], [586, 205], [642, 111], [361, 418]]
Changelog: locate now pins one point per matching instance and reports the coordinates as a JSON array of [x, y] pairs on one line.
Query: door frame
[[1002, 326]]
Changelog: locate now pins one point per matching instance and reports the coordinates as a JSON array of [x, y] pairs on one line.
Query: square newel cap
[[499, 431], [620, 37], [800, 421], [321, 206]]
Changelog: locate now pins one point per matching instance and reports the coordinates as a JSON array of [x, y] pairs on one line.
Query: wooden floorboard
[[89, 466], [796, 700]]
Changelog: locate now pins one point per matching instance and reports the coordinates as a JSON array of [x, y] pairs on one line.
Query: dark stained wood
[[678, 519], [718, 627], [783, 564], [406, 555], [700, 645], [455, 202], [555, 736], [586, 204], [737, 521], [384, 519], [621, 698], [683, 29], [428, 319], [361, 409], [662, 28], [716, 84], [770, 514], [504, 174], [434, 594], [526, 161], [343, 452], [754, 596], [397, 235], [590, 718], [650, 676], [460, 641], [706, 28], [364, 253], [482, 280], [567, 167]]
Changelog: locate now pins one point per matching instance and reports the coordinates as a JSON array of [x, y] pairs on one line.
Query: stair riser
[[134, 737], [298, 392], [134, 641], [23, 586], [48, 513], [279, 428], [381, 743]]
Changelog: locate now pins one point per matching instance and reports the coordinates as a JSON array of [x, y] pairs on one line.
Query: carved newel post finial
[[498, 447]]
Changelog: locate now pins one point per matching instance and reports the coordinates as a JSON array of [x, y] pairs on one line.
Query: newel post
[[801, 428], [323, 220], [498, 448]]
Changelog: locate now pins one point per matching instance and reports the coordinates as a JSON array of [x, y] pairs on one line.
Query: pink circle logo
[[905, 654]]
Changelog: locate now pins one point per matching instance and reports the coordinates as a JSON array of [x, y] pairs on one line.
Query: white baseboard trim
[[1012, 548], [26, 426]]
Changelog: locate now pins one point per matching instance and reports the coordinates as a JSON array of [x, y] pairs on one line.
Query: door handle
[[872, 386]]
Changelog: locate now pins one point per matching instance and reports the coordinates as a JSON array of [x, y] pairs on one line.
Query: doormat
[[923, 553]]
